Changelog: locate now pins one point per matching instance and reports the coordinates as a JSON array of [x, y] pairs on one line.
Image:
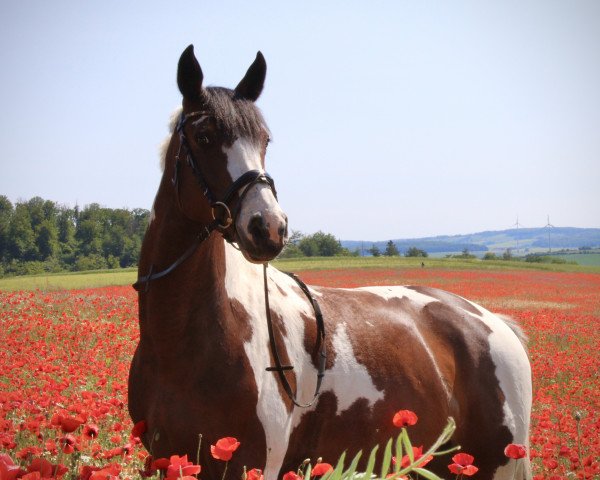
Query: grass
[[326, 263], [70, 280], [589, 259], [102, 278]]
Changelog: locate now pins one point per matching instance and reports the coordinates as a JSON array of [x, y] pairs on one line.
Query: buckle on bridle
[[226, 219]]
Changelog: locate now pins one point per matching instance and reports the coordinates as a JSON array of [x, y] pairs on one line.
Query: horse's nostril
[[257, 227], [282, 231]]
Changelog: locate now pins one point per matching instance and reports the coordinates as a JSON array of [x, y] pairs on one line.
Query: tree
[[490, 256], [47, 240], [21, 238], [507, 255], [6, 212], [374, 250], [321, 244], [291, 249], [391, 250], [415, 252]]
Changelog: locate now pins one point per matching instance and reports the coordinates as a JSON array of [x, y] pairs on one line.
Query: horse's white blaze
[[245, 155]]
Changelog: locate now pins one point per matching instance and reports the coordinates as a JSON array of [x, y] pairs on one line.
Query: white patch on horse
[[348, 379], [513, 371], [388, 293], [271, 409]]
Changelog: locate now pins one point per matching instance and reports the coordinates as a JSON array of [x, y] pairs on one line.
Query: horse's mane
[[237, 116]]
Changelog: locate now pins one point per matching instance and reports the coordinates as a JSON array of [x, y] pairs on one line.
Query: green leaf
[[398, 453], [371, 463], [407, 446], [336, 473], [427, 474], [387, 459], [352, 468]]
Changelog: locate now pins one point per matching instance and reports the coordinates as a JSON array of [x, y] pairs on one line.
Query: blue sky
[[390, 119]]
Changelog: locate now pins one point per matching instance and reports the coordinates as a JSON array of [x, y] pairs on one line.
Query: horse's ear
[[189, 75], [252, 84]]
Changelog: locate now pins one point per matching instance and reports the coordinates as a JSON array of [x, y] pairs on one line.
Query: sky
[[390, 119]]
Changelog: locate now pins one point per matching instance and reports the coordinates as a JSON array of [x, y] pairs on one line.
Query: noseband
[[247, 180]]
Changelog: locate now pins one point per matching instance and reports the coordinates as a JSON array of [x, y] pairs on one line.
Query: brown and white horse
[[201, 363]]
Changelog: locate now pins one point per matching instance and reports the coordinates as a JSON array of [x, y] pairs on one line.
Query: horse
[[218, 357]]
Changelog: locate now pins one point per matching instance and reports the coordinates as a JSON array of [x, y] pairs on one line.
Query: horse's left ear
[[189, 75], [252, 84]]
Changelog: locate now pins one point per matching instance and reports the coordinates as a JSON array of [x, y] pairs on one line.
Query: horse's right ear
[[189, 75]]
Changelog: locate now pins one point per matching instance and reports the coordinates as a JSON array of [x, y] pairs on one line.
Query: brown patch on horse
[[478, 396]]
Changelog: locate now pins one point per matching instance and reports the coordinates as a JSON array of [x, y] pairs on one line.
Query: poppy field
[[65, 355]]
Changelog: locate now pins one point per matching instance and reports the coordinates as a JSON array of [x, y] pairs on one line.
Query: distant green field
[[70, 281], [588, 259], [102, 278]]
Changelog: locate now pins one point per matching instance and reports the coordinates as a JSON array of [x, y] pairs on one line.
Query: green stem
[[225, 471], [198, 452]]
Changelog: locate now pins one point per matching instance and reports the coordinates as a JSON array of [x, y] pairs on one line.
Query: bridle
[[224, 222], [245, 181]]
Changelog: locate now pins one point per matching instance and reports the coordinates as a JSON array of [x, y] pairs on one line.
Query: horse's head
[[223, 137]]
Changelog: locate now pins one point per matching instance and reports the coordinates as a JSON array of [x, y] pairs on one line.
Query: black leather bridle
[[245, 181], [224, 221]]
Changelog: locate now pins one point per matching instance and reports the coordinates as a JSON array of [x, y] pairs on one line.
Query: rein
[[246, 181], [281, 369]]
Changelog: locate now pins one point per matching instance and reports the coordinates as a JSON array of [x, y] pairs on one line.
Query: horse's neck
[[213, 276]]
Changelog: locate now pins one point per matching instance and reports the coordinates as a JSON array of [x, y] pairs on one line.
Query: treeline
[[38, 236], [318, 244]]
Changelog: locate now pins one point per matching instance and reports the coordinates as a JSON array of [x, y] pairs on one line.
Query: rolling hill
[[520, 240]]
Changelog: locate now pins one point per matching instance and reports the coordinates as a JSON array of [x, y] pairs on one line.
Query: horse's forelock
[[239, 117]]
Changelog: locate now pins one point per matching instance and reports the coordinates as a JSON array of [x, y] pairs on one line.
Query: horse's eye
[[268, 140], [202, 140]]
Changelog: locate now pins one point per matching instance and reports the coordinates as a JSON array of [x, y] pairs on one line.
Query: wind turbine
[[549, 226], [517, 224]]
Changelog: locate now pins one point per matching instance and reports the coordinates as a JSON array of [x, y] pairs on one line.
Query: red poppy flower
[[463, 465], [67, 424], [67, 443], [255, 474], [161, 463], [139, 429], [404, 418], [320, 469], [8, 469], [418, 456], [90, 431], [41, 465], [180, 466], [291, 476], [224, 448], [515, 450]]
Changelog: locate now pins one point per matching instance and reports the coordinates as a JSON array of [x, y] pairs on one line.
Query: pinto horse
[[204, 363]]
